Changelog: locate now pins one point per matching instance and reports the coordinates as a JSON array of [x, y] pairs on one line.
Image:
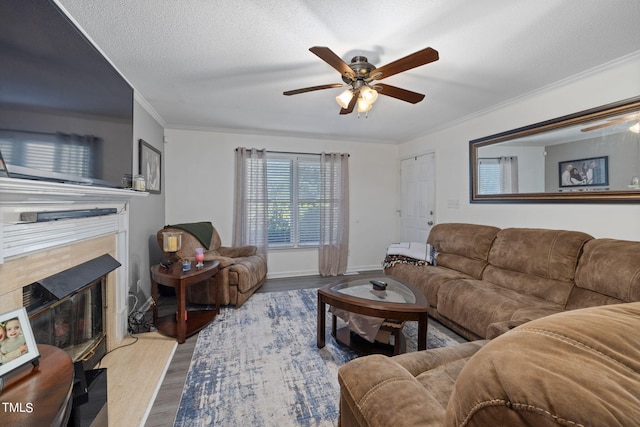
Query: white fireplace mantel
[[19, 239], [25, 191]]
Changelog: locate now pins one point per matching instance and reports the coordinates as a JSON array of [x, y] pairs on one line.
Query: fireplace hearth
[[67, 310]]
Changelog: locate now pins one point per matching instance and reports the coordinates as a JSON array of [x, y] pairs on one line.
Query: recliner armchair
[[242, 269]]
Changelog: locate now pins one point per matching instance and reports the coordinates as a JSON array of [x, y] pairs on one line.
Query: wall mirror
[[591, 156]]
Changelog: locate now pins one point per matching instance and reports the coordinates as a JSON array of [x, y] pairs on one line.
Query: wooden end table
[[184, 323], [39, 395], [353, 295]]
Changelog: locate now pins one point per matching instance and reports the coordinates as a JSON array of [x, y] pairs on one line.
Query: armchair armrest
[[375, 389], [224, 261], [421, 361], [237, 251]]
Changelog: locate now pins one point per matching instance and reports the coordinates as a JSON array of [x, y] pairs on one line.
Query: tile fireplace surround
[[32, 251]]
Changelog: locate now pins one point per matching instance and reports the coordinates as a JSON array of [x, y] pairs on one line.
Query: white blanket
[[410, 249]]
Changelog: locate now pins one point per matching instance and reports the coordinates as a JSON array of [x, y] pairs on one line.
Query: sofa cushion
[[476, 304], [579, 367], [536, 262], [463, 247], [426, 278], [551, 254], [611, 267], [376, 389]]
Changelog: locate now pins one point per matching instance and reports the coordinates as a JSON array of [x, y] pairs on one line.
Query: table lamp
[[171, 243]]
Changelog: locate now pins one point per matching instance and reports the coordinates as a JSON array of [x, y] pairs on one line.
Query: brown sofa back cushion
[[463, 247], [579, 367], [537, 262], [610, 267]]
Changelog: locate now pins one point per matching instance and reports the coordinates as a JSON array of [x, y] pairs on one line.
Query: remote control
[[378, 285]]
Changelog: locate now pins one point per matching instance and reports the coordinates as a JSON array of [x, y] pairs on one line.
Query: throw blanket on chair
[[200, 230]]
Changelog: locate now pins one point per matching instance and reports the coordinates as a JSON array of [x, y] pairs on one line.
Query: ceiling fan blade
[[398, 93], [312, 88], [612, 122], [414, 60], [334, 60], [350, 107]]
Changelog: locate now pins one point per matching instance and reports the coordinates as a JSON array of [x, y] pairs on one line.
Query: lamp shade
[[363, 105], [344, 98], [368, 94]]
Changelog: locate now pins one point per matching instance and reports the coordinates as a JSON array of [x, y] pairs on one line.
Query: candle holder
[[200, 257], [171, 243]]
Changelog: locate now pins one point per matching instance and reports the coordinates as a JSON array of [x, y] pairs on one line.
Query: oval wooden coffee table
[[399, 302]]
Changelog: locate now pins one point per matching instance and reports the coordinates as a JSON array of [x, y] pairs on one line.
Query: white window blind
[[498, 175], [488, 176], [293, 192]]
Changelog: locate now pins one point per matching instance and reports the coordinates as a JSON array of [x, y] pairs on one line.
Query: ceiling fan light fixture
[[635, 128], [368, 94], [344, 98], [363, 105]]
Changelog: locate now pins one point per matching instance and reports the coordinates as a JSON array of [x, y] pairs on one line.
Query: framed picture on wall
[[150, 160], [587, 172], [17, 344]]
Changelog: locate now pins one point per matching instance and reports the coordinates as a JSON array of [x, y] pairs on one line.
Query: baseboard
[[350, 271]]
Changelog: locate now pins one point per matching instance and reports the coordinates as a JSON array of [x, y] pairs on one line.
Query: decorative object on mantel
[[17, 344], [150, 164]]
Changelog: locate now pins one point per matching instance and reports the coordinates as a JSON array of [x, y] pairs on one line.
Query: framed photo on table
[[17, 344], [150, 160]]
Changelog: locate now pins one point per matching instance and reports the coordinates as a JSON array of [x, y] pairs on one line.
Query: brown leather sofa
[[578, 368], [242, 269], [488, 280]]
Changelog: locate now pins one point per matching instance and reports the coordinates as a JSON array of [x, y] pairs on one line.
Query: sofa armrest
[[375, 389], [238, 251], [421, 361]]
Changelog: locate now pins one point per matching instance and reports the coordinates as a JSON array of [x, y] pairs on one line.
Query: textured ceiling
[[223, 65]]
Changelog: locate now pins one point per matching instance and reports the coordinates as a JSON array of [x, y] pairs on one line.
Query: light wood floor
[[134, 373], [165, 406]]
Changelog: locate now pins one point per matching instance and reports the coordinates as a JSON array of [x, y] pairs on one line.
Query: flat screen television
[[66, 114]]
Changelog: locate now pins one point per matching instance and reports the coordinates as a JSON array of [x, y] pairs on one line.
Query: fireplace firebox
[[67, 310]]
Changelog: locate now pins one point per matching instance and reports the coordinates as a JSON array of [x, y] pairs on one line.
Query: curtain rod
[[294, 152]]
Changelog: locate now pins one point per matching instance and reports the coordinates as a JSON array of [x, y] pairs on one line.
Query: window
[[498, 175], [293, 192], [488, 176]]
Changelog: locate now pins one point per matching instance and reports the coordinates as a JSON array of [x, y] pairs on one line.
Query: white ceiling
[[223, 65]]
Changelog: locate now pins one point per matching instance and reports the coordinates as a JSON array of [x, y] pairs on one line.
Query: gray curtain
[[334, 214], [250, 210]]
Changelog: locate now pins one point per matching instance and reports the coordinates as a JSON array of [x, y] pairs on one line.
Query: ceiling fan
[[360, 74], [616, 121]]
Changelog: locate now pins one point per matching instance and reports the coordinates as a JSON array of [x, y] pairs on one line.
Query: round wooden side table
[[39, 395]]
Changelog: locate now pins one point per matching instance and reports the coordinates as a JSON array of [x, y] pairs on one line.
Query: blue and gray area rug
[[259, 365]]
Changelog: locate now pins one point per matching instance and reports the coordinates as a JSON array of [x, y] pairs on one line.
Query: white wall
[[608, 84], [200, 187]]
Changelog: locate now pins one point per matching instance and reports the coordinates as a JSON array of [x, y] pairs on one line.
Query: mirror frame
[[603, 196]]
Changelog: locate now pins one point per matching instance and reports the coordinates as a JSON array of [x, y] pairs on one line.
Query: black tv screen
[[66, 114]]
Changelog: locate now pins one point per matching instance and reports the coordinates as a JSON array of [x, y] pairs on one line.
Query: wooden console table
[[183, 323], [39, 395]]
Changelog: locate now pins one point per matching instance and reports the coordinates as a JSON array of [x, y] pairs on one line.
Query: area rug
[[259, 365]]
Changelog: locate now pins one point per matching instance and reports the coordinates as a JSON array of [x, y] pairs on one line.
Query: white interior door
[[417, 180]]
